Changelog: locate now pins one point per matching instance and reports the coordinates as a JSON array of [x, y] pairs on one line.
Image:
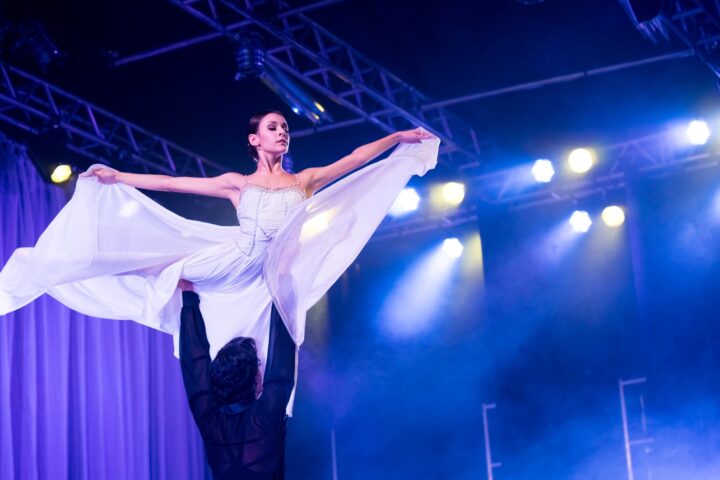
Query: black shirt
[[241, 441]]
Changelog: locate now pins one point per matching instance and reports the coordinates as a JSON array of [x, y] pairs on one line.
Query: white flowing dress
[[114, 253]]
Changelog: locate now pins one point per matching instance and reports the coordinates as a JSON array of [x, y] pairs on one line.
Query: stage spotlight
[[580, 221], [61, 173], [28, 40], [698, 132], [580, 160], [52, 160], [453, 193], [251, 61], [452, 247], [613, 216], [647, 15], [543, 170], [300, 102], [642, 11], [407, 201], [249, 55]]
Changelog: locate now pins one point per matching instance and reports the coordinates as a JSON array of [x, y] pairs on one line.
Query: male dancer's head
[[234, 373]]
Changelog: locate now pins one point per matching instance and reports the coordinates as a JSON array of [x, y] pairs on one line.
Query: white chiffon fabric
[[113, 253]]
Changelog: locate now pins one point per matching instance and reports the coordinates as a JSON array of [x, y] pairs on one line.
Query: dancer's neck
[[269, 164]]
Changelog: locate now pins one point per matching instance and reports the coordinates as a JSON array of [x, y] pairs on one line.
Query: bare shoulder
[[305, 177], [235, 179]]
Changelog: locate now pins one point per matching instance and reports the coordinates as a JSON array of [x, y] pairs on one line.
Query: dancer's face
[[272, 136]]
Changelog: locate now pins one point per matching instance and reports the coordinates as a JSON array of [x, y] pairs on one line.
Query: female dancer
[[268, 141], [114, 253]]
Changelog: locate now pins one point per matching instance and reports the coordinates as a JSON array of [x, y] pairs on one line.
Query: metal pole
[[626, 434], [333, 451], [486, 431], [212, 36], [559, 79]]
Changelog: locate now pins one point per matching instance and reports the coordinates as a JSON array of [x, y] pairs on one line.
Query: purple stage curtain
[[82, 397]]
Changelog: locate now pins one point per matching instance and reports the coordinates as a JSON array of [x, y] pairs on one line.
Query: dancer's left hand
[[414, 136], [104, 175]]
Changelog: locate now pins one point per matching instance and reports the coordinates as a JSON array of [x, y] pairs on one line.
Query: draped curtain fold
[[82, 397]]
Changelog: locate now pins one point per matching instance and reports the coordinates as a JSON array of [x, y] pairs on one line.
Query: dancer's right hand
[[416, 135], [104, 175], [184, 285]]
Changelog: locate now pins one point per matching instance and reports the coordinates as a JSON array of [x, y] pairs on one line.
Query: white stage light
[[543, 170], [698, 132], [452, 247], [407, 201], [580, 221]]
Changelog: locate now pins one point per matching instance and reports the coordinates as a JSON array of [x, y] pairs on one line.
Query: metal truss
[[37, 107], [697, 24], [651, 156], [314, 56], [565, 78]]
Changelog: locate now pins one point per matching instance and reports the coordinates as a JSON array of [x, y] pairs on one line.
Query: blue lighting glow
[[414, 304]]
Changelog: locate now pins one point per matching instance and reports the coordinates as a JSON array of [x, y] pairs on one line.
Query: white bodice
[[261, 211]]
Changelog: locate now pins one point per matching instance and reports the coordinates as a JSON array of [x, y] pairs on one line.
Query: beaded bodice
[[261, 211]]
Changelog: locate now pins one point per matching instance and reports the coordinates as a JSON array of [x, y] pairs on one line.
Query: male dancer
[[244, 435]]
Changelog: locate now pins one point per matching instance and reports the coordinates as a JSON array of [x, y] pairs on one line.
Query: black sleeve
[[279, 377], [195, 360]]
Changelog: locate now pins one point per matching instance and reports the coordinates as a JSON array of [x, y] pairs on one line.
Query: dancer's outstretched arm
[[279, 377], [317, 178], [221, 186], [195, 359]]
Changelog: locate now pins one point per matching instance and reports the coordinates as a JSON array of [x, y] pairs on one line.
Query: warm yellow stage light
[[581, 160], [62, 173], [453, 193], [613, 216]]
